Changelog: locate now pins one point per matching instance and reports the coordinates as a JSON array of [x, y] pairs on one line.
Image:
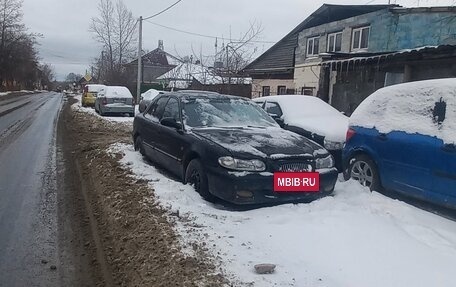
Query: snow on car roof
[[117, 92], [298, 105], [409, 108], [150, 94], [95, 88], [312, 114]]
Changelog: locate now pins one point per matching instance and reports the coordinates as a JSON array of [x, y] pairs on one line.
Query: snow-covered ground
[[120, 119], [355, 238], [22, 91]]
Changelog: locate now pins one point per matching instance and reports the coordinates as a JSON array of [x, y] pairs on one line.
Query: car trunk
[[119, 101]]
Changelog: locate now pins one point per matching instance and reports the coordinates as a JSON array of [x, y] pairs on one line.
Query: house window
[[360, 38], [335, 42], [313, 45], [266, 91], [307, 91], [281, 90]]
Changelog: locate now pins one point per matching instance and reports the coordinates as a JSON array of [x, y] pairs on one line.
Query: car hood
[[271, 142], [333, 128]]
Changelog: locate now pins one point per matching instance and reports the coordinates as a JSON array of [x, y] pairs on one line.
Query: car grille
[[295, 167]]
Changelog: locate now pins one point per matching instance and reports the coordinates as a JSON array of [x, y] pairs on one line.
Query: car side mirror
[[172, 123], [142, 108]]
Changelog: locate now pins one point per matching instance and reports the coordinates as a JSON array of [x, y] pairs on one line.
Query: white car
[[115, 100], [311, 117], [146, 98]]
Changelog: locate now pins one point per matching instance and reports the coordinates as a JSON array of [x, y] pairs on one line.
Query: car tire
[[139, 145], [364, 170], [196, 176], [100, 111]]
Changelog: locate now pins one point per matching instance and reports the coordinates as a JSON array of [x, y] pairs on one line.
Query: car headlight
[[330, 145], [241, 164], [325, 162]]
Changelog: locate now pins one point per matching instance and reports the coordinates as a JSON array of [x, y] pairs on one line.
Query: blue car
[[403, 138]]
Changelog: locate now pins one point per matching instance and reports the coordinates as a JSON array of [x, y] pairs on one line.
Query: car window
[[156, 110], [273, 109], [172, 110]]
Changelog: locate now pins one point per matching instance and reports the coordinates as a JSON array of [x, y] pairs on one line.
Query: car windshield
[[225, 113]]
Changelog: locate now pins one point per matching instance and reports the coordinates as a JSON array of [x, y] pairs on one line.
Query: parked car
[[310, 117], [227, 147], [403, 138], [114, 100], [146, 98], [90, 94]]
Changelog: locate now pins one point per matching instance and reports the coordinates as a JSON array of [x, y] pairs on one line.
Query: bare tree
[[18, 56], [47, 74], [114, 30], [237, 54]]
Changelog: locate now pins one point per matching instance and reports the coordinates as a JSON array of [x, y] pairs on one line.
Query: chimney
[[160, 45]]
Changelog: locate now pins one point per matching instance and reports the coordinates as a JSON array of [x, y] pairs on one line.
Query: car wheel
[[364, 170], [139, 145], [196, 176]]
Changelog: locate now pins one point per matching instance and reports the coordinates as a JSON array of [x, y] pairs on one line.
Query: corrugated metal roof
[[416, 52], [280, 57]]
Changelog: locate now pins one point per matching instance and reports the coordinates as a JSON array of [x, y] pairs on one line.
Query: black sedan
[[228, 147]]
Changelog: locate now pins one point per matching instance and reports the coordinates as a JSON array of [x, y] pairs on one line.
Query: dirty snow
[[408, 107], [78, 107], [354, 239], [311, 114]]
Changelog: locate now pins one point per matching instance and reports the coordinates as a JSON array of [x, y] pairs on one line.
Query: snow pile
[[409, 107], [311, 114], [78, 107], [355, 238]]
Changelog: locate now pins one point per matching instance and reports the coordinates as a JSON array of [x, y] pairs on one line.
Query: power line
[[206, 36], [163, 11]]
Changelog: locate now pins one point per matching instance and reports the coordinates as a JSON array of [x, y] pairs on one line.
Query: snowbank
[[355, 238], [408, 107]]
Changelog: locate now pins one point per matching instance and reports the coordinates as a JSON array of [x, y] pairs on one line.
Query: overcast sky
[[69, 47]]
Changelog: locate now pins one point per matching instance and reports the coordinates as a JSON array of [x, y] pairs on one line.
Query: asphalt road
[[29, 235]]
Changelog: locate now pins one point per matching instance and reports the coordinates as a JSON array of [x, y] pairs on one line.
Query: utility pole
[[139, 80]]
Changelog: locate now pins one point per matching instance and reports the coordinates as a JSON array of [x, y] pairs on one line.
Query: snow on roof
[[386, 55], [409, 107]]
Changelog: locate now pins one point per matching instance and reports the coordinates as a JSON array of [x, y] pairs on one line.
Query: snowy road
[[356, 238]]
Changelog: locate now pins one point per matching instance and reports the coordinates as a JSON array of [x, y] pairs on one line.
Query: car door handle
[[449, 148], [382, 137]]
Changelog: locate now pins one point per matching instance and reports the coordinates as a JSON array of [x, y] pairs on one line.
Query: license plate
[[122, 101], [296, 182]]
